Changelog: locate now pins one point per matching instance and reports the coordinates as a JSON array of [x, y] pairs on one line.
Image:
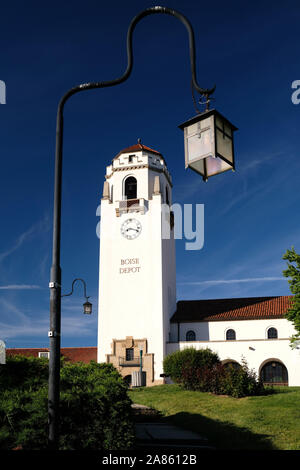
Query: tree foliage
[[293, 272]]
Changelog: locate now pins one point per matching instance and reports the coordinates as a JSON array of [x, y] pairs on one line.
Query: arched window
[[233, 364], [190, 336], [274, 372], [130, 189], [272, 333], [230, 335]]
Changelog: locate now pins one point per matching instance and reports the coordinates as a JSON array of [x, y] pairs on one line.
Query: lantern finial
[[204, 99]]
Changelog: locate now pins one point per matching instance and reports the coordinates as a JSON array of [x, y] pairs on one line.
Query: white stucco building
[[138, 314], [253, 329], [137, 288]]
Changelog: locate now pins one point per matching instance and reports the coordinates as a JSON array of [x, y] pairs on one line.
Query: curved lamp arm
[[136, 19], [84, 288], [117, 81]]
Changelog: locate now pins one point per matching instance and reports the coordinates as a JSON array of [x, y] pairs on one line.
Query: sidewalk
[[152, 433]]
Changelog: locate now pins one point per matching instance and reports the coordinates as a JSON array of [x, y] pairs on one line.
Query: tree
[[293, 272]]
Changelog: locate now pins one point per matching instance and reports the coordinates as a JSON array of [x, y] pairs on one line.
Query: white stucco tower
[[137, 285]]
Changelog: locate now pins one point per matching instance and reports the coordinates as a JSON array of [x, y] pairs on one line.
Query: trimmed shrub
[[223, 380], [190, 358], [241, 382], [95, 411]]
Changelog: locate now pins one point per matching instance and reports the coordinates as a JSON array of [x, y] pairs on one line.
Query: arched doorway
[[127, 380], [274, 372]]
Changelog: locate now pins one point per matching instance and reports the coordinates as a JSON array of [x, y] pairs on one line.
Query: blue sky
[[249, 49]]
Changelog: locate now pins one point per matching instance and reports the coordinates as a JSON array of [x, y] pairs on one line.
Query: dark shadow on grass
[[280, 390], [221, 435]]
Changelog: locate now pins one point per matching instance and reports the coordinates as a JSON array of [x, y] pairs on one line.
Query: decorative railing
[[133, 362], [131, 205]]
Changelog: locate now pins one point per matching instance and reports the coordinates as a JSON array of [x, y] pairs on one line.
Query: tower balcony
[[130, 205]]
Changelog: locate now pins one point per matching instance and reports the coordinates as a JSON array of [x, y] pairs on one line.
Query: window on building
[[130, 158], [274, 372], [130, 190], [190, 336], [230, 335], [129, 354], [44, 354], [272, 333]]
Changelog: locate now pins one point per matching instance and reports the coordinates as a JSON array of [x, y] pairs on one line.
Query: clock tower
[[137, 285]]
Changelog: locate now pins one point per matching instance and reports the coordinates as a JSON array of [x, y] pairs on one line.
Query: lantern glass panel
[[222, 125], [198, 166], [199, 140], [199, 145], [224, 145], [193, 129], [215, 166]]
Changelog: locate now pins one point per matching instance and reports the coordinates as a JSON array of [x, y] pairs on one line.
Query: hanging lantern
[[87, 308], [208, 143]]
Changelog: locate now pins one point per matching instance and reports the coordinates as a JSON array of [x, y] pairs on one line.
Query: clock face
[[131, 229]]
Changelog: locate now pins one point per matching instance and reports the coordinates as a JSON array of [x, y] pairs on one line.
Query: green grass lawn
[[256, 423]]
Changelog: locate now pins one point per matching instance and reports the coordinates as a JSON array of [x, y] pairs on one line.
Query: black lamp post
[[55, 280]]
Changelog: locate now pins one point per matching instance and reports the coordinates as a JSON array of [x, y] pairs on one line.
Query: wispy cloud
[[274, 178], [252, 163], [17, 325], [33, 329], [20, 287], [231, 281], [37, 228], [13, 313], [75, 327]]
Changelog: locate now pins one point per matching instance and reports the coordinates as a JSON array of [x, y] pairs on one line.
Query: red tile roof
[[137, 148], [252, 308], [71, 354]]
